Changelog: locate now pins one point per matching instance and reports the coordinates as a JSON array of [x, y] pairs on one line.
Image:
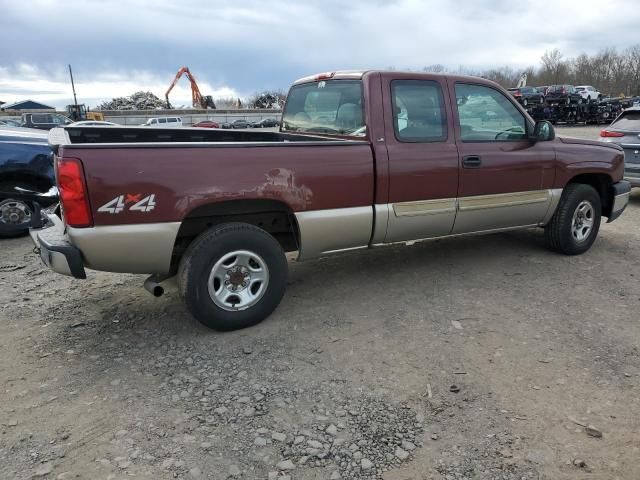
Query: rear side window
[[628, 121], [41, 118], [418, 111]]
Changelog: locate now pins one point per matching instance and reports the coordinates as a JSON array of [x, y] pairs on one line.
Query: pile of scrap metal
[[137, 101], [602, 112]]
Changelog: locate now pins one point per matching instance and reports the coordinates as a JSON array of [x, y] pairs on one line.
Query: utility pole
[[73, 87]]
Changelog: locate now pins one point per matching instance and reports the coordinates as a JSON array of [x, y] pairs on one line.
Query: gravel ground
[[467, 358]]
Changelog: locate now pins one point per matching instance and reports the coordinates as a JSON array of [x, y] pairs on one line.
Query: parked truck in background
[[362, 159]]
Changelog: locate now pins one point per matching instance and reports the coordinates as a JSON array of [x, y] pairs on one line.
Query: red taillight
[[517, 93], [73, 193], [325, 76], [607, 133]]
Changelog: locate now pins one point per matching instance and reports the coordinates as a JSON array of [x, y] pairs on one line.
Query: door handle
[[471, 161]]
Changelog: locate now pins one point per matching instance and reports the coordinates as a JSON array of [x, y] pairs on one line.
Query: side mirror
[[543, 131]]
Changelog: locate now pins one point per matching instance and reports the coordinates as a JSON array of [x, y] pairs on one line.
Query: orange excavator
[[198, 100]]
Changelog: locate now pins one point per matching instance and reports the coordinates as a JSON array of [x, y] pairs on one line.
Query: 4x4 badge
[[130, 201]]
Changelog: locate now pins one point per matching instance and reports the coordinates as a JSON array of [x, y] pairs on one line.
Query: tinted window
[[41, 118], [162, 120], [419, 114], [628, 121], [486, 114]]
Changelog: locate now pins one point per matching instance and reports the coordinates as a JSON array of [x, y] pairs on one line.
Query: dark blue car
[[26, 165]]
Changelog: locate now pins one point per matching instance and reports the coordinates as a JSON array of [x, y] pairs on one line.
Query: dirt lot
[[468, 358]]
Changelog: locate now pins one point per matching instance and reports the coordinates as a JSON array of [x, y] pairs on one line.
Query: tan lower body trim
[[137, 248], [424, 207], [326, 231], [503, 200]]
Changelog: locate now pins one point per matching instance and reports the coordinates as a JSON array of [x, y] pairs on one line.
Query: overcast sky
[[239, 47]]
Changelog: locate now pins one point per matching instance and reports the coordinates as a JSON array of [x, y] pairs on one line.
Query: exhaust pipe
[[153, 286]]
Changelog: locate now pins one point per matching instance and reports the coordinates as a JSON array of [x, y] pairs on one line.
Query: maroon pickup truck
[[362, 159]]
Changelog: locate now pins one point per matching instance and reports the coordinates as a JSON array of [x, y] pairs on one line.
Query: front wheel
[[232, 276], [575, 224]]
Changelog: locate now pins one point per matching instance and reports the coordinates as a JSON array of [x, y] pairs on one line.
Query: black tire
[[201, 257], [13, 231], [558, 232]]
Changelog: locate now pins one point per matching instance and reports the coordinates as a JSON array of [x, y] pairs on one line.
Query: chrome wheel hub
[[14, 212], [582, 222], [238, 280]]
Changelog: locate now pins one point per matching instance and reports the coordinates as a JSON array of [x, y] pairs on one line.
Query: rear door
[[423, 158], [505, 178]]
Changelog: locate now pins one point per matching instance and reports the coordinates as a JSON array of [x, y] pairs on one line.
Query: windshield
[[332, 106]]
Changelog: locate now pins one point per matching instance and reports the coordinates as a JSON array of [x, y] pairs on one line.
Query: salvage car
[[625, 131], [163, 122], [10, 122], [265, 123], [26, 162], [362, 159], [589, 93], [44, 121], [207, 124], [239, 123], [527, 95], [566, 94]]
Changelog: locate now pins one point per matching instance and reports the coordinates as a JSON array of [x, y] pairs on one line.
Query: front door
[[505, 178], [423, 159]]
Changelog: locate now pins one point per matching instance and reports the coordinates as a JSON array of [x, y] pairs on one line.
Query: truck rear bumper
[[621, 191], [55, 250]]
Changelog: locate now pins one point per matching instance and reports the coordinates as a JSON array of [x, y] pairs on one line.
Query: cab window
[[486, 115], [419, 114]]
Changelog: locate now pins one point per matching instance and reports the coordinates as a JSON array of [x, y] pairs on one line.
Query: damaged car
[[26, 179]]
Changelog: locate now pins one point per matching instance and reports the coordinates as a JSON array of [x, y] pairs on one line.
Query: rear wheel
[[575, 224], [232, 276], [15, 215]]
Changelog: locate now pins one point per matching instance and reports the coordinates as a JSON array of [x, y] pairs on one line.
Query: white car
[[588, 92], [164, 122]]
